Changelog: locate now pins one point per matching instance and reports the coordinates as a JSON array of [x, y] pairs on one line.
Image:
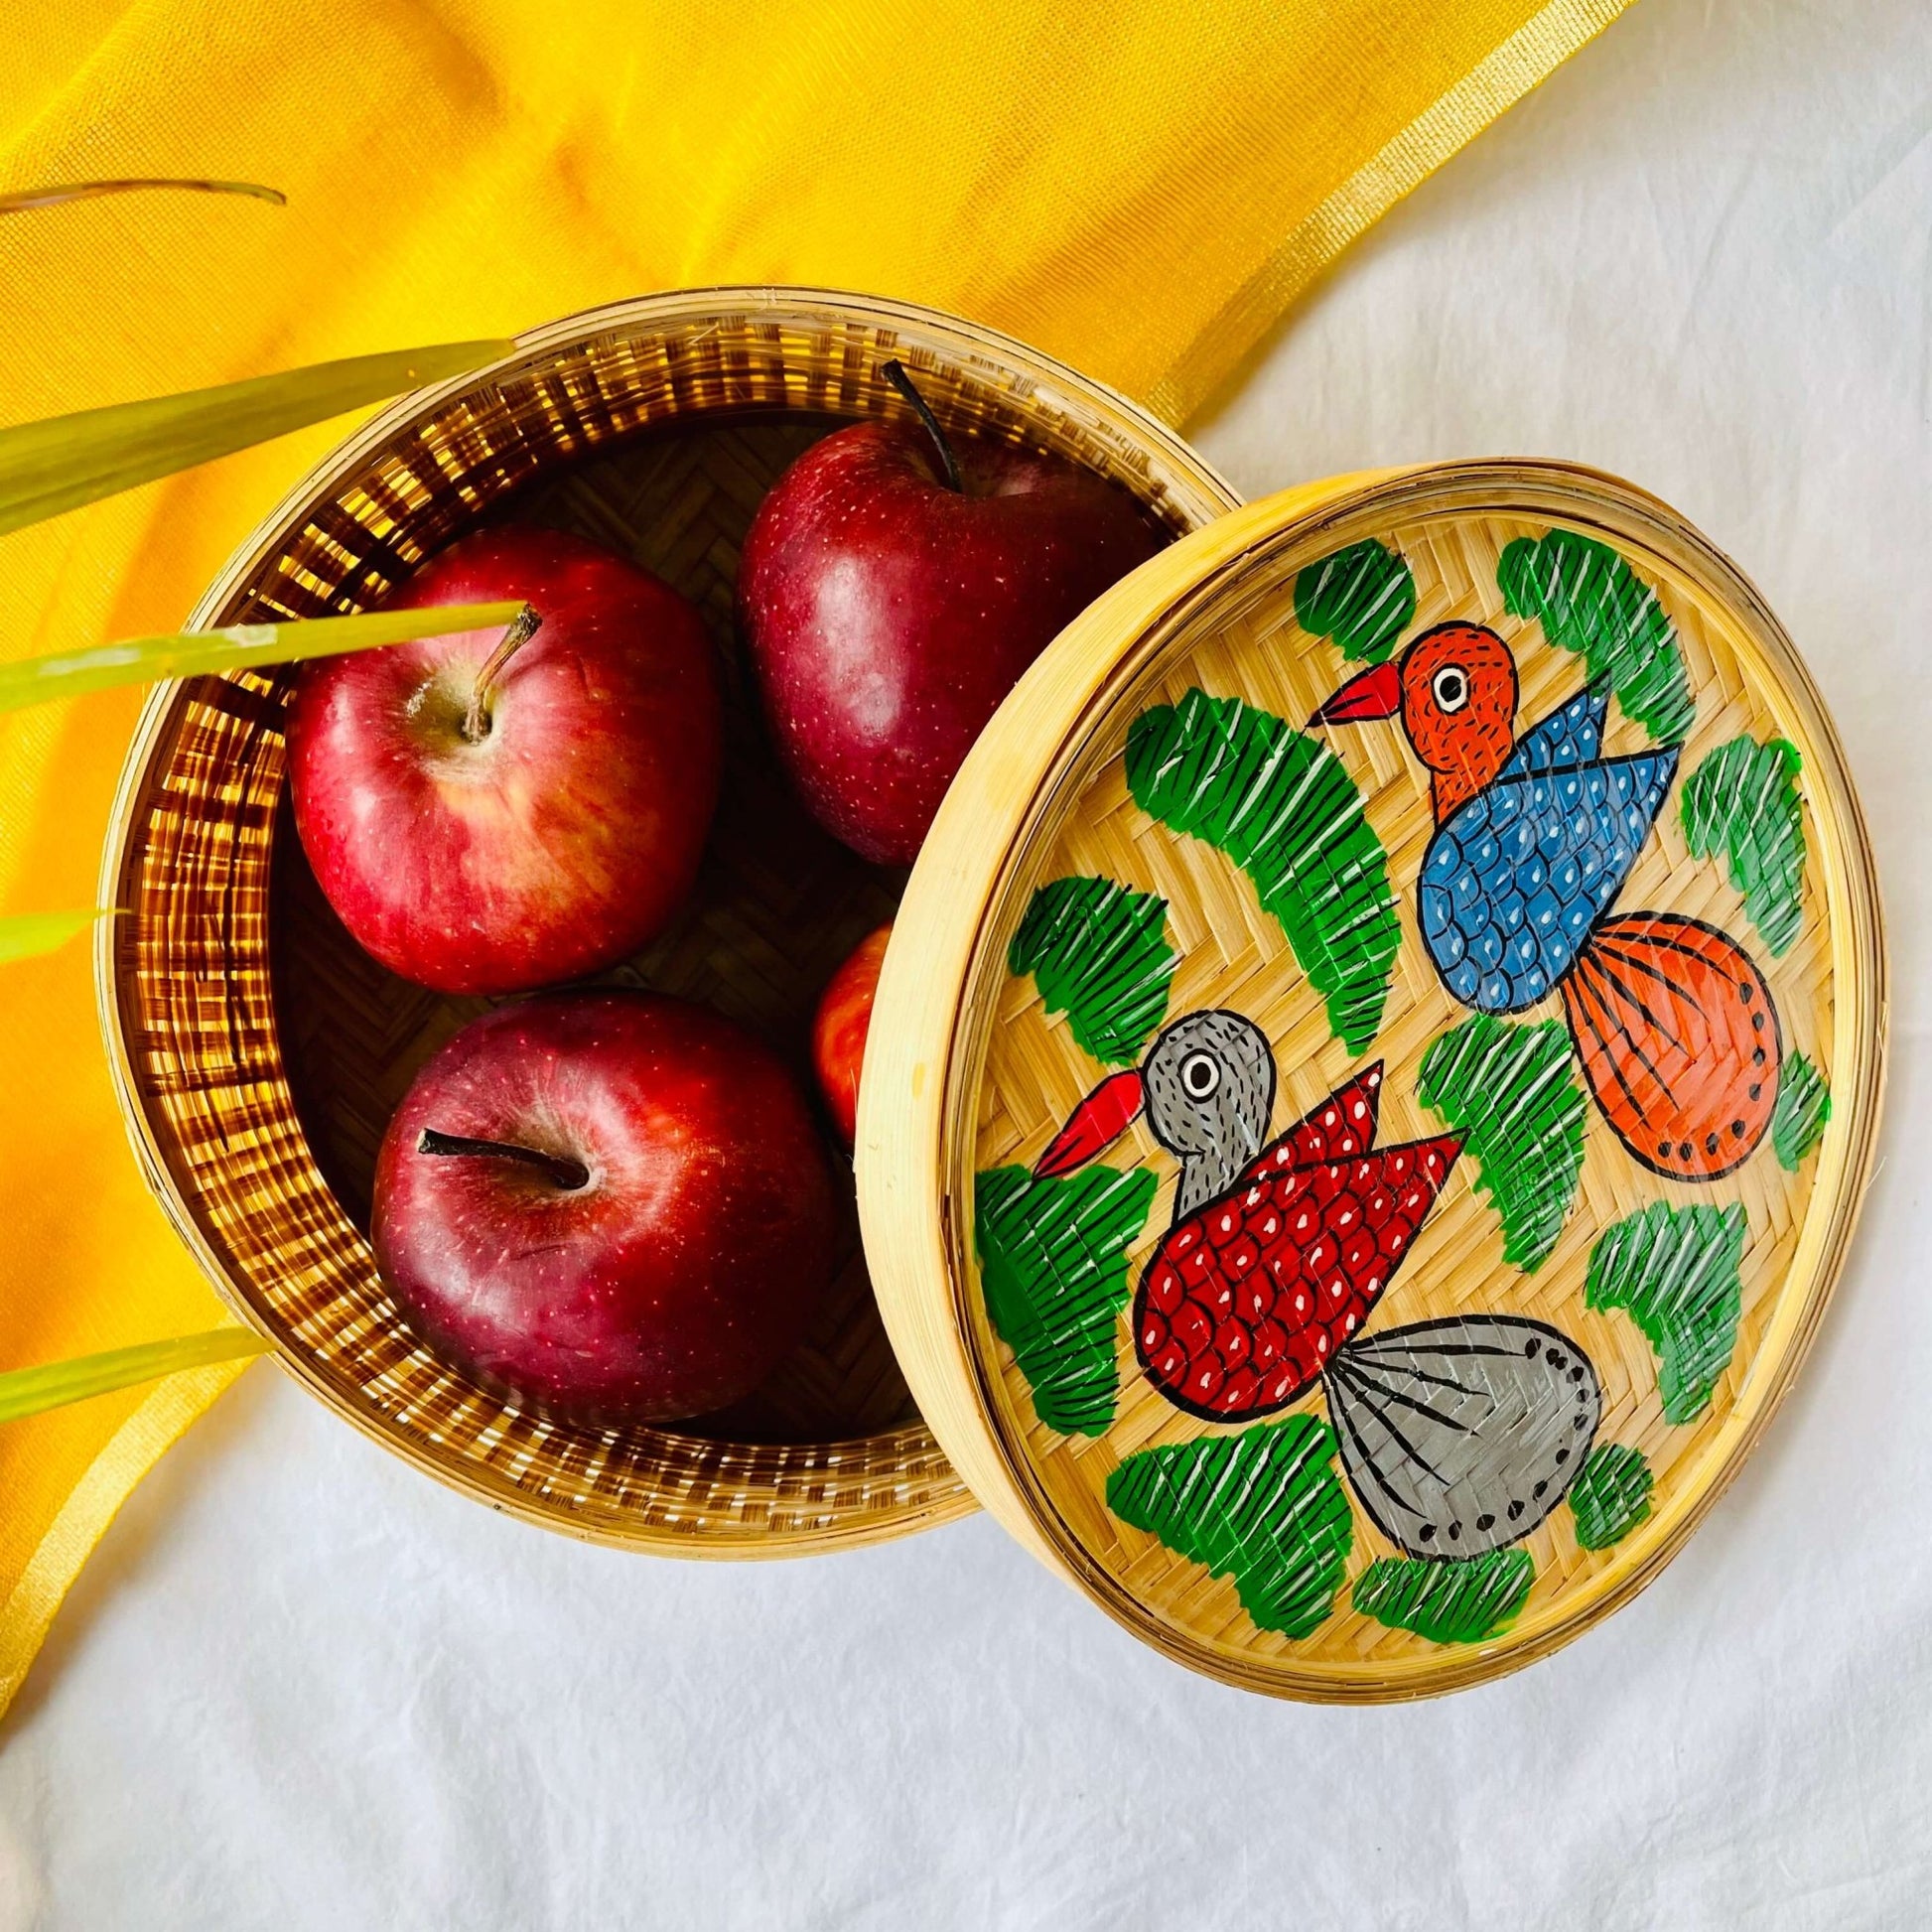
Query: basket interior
[[778, 905], [265, 1051]]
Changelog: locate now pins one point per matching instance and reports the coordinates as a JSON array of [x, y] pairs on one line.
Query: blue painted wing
[[1571, 735], [1513, 883]]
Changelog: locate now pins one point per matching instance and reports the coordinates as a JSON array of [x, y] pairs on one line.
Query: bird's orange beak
[[1374, 693], [1094, 1124]]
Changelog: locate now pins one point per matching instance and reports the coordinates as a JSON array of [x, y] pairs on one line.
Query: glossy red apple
[[840, 1025], [612, 1204], [537, 835], [889, 608]]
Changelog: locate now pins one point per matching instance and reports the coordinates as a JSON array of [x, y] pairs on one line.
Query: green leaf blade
[[1675, 1272], [1361, 597], [34, 1391], [56, 465], [1508, 1090], [1743, 801], [1052, 1259], [1097, 953], [1265, 1508], [26, 936], [25, 201], [1463, 1599], [1804, 1106], [1611, 1496], [239, 647], [1284, 808], [1591, 601]]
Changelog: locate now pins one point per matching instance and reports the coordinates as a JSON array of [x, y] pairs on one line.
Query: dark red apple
[[612, 1204], [537, 835], [840, 1025], [888, 609]]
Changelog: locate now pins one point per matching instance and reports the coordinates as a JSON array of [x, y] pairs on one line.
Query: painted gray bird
[[1458, 1435]]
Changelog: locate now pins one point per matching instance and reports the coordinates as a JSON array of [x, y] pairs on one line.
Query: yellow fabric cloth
[[1137, 185]]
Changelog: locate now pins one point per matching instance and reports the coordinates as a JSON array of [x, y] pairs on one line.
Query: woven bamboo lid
[[1350, 1192]]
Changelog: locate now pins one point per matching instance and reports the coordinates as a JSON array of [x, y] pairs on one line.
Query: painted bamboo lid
[[1375, 1072]]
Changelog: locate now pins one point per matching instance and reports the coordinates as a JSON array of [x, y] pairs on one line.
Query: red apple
[[840, 1025], [888, 611], [611, 1205], [552, 832]]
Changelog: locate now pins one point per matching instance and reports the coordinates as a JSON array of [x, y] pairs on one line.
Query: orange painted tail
[[1679, 1041]]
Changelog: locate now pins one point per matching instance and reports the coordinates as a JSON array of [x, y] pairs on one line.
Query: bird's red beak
[[1374, 693], [1094, 1124]]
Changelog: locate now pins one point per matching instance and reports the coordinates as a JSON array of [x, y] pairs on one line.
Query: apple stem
[[522, 628], [894, 374], [568, 1174]]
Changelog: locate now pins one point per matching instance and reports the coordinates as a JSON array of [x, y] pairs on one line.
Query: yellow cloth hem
[[130, 1453], [1402, 165]]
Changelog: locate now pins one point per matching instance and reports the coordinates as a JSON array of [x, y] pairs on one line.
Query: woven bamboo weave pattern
[[1018, 1076], [260, 1054]]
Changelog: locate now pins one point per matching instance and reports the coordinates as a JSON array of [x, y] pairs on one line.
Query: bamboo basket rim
[[916, 1131], [1046, 376]]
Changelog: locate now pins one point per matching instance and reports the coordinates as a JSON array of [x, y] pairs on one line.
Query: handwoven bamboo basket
[[976, 1060], [258, 1053]]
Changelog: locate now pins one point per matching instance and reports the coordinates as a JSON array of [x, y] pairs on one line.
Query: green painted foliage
[[1675, 1272], [1508, 1090], [1054, 1267], [1742, 800], [1286, 811], [1361, 597], [1804, 1106], [1590, 601], [1611, 1496], [1097, 951], [1464, 1600], [1264, 1507]]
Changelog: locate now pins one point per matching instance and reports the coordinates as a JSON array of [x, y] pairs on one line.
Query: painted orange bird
[[1672, 1022]]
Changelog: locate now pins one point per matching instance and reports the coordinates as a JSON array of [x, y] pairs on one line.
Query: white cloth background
[[302, 1686]]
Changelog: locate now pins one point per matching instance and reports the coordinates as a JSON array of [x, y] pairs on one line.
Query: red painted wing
[[1246, 1300], [1339, 1128]]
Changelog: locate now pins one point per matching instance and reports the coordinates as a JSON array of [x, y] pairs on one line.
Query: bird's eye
[[1451, 687], [1201, 1074]]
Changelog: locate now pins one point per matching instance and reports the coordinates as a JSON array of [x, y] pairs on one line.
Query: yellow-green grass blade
[[239, 647], [31, 1391], [63, 462], [59, 193], [25, 936]]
